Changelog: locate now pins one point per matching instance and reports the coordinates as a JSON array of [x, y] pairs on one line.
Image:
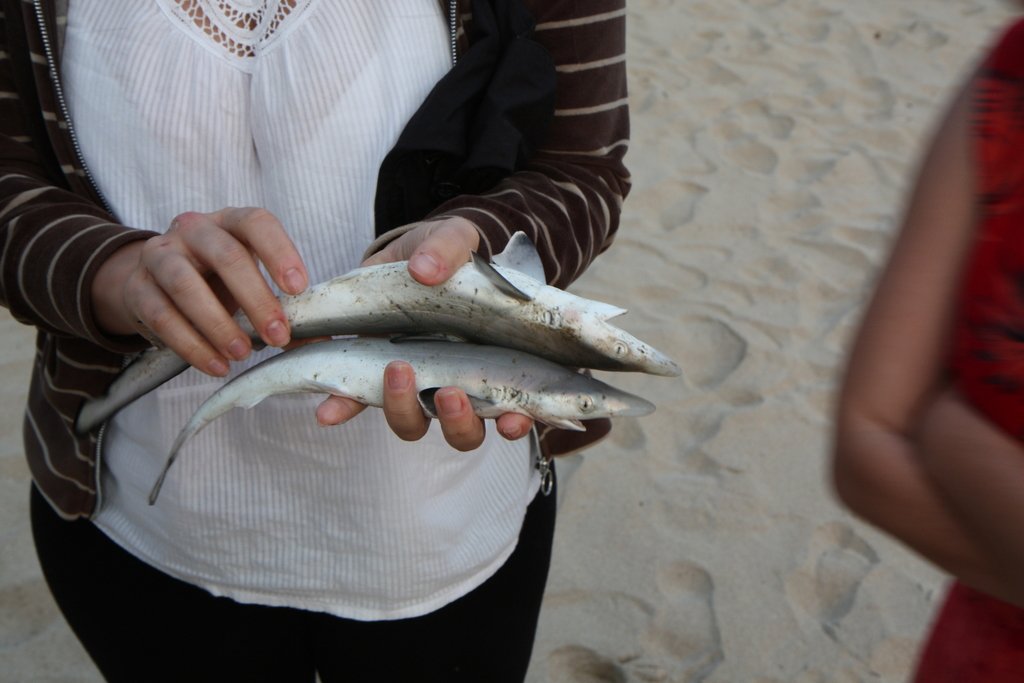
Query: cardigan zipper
[[58, 89], [51, 63], [453, 16]]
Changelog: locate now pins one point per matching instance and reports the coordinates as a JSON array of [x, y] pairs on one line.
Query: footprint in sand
[[27, 612], [685, 628], [744, 149], [682, 209], [826, 585], [842, 266], [596, 655], [712, 353], [752, 155], [809, 676], [632, 640], [763, 119], [794, 203], [875, 99], [577, 664], [716, 74], [924, 34], [627, 436]]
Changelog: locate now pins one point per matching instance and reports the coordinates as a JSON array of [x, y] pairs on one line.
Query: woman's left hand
[[434, 250]]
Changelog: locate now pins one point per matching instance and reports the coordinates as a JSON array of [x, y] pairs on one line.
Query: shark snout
[[623, 404], [656, 363]]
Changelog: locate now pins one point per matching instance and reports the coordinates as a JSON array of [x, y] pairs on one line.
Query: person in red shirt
[[930, 421]]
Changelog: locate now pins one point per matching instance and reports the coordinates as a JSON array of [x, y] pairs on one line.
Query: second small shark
[[496, 380]]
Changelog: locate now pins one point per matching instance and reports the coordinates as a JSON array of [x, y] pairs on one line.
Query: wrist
[[107, 290]]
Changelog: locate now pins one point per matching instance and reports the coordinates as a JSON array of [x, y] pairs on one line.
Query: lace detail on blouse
[[241, 28]]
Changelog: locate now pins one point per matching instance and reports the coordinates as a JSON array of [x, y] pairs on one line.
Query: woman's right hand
[[180, 289]]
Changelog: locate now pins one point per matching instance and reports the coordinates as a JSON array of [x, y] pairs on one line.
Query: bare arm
[[896, 368], [979, 469]]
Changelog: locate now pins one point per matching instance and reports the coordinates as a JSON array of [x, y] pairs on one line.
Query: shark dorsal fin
[[498, 280], [521, 255]]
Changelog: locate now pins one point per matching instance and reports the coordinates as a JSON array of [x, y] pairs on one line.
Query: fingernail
[[327, 417], [512, 433], [425, 266], [294, 281], [277, 333], [239, 349], [398, 379], [217, 367], [448, 402]]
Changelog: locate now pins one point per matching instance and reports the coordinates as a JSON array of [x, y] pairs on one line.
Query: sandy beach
[[773, 143]]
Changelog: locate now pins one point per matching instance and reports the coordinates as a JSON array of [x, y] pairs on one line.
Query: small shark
[[503, 303], [497, 381]]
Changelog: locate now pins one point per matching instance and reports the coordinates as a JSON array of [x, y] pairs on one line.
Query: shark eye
[[620, 349], [585, 403]]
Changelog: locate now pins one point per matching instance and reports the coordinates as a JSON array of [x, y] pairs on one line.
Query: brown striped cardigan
[[55, 231]]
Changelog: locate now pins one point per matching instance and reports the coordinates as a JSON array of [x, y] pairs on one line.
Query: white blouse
[[194, 105]]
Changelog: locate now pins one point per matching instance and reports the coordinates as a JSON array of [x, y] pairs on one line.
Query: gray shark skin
[[497, 381], [503, 303]]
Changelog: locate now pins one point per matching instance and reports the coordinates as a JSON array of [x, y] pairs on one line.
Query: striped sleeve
[[52, 240], [569, 196]]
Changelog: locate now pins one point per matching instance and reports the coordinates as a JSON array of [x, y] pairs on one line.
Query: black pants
[[140, 625]]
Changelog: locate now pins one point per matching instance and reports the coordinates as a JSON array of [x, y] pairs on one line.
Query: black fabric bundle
[[481, 121]]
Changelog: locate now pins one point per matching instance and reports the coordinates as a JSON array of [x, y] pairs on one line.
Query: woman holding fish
[[279, 550]]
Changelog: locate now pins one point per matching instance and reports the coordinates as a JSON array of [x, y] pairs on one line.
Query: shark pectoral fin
[[605, 311], [521, 255], [426, 397], [562, 423], [481, 406], [498, 280]]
